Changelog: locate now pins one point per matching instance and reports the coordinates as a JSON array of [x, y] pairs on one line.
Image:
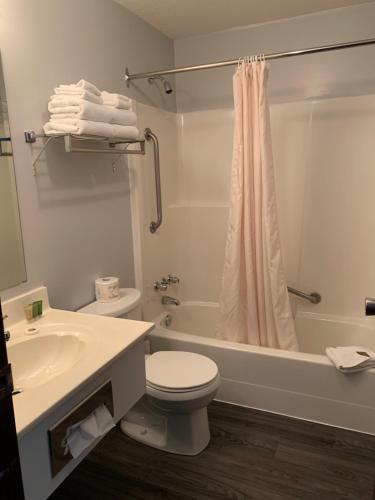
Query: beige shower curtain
[[254, 302]]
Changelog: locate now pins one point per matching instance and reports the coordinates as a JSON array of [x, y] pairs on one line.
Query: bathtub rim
[[322, 359], [319, 359]]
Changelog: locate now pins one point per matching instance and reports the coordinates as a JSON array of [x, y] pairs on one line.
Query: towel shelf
[[111, 145]]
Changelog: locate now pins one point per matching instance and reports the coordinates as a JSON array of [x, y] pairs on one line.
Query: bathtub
[[300, 384]]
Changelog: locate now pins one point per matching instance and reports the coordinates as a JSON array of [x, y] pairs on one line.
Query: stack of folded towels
[[83, 110]]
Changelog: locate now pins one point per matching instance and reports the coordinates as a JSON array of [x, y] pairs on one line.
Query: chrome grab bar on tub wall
[[150, 136], [314, 297]]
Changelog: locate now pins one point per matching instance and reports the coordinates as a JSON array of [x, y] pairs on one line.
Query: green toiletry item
[[35, 310], [40, 307]]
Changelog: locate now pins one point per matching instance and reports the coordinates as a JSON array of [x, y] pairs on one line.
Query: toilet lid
[[128, 300], [178, 370]]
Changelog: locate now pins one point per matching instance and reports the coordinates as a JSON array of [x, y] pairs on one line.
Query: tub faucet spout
[[169, 301]]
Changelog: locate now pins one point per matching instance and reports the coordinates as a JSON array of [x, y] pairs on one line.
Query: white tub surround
[[63, 361], [299, 384]]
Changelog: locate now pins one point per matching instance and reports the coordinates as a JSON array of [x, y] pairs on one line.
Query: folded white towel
[[117, 103], [125, 132], [116, 100], [81, 85], [79, 127], [86, 127], [86, 110], [351, 358], [79, 94]]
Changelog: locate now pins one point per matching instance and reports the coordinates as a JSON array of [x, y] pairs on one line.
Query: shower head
[[167, 86]]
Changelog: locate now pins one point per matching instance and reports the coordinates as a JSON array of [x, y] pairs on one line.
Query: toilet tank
[[135, 313], [127, 306]]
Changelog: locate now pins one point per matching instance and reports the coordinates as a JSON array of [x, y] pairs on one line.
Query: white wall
[[154, 253], [338, 242], [345, 72], [75, 213]]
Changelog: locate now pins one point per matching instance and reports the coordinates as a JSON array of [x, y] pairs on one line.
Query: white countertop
[[107, 339]]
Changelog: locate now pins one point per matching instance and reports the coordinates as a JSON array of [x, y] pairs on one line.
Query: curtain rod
[[276, 55]]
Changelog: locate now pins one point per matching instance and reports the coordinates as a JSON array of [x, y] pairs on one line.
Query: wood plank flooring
[[252, 455]]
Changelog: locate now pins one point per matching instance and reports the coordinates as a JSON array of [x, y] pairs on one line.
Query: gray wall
[[346, 72], [75, 213]]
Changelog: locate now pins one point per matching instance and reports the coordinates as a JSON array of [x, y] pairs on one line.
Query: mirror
[[12, 261]]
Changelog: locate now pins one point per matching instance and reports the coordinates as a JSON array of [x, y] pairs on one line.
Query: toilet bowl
[[172, 415]]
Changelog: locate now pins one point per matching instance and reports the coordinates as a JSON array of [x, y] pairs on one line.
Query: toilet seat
[[179, 371], [149, 385]]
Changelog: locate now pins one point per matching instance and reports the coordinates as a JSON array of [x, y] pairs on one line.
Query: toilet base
[[179, 433]]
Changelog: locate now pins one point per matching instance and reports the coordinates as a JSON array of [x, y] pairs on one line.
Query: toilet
[[172, 415]]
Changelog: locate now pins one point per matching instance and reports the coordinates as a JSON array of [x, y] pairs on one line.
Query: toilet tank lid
[[129, 299]]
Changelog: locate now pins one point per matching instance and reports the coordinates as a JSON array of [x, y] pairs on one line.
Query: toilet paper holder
[[57, 433]]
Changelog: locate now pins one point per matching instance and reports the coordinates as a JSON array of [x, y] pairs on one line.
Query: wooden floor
[[252, 455]]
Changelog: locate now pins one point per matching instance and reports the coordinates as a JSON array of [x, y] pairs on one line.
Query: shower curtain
[[254, 302]]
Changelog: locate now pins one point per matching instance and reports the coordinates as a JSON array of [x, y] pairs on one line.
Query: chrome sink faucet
[[169, 301], [6, 332]]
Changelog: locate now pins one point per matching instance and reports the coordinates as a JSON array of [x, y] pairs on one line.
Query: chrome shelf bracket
[[112, 146]]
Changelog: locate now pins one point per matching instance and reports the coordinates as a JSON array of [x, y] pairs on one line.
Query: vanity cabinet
[[127, 377]]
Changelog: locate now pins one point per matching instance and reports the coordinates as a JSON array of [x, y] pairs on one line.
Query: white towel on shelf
[[79, 127], [125, 132], [86, 127], [350, 359], [79, 94], [81, 85], [116, 100], [86, 110]]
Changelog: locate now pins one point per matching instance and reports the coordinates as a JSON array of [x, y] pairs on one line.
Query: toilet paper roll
[[107, 289]]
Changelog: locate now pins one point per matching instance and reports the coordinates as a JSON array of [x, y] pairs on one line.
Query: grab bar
[[314, 297], [154, 225]]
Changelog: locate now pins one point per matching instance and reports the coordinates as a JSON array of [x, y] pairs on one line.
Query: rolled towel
[[81, 85], [78, 94], [116, 100], [79, 127], [349, 359], [86, 110]]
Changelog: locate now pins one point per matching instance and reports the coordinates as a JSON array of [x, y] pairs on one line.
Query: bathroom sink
[[53, 350]]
